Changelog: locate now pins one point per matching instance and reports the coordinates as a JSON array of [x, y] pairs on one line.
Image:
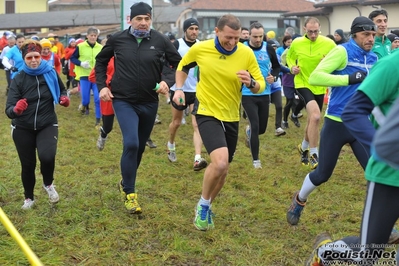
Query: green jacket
[[382, 46], [382, 89]]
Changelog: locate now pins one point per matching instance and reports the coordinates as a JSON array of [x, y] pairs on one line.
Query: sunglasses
[[367, 27], [37, 57]]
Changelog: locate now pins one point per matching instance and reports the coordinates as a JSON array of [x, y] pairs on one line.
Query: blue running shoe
[[201, 217], [295, 210]]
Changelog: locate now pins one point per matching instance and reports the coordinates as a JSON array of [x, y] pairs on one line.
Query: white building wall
[[342, 17]]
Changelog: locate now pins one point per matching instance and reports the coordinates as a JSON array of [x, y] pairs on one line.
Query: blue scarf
[[221, 50], [49, 75], [140, 34]]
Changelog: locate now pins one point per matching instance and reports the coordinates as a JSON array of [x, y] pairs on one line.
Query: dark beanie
[[340, 33], [273, 43], [140, 8], [189, 22], [361, 23], [396, 32], [392, 37]]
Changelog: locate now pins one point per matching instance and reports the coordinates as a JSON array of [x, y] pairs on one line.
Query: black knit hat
[[362, 24], [340, 33], [273, 43], [392, 37], [396, 32], [140, 8], [189, 22]]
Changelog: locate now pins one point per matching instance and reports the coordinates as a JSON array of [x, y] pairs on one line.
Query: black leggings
[[257, 110], [381, 210], [26, 142], [292, 104], [108, 123], [276, 99], [333, 137]]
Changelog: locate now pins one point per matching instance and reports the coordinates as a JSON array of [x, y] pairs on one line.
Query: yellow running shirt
[[219, 89], [307, 55]]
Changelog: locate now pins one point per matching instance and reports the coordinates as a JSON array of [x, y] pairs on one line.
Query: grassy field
[[89, 226]]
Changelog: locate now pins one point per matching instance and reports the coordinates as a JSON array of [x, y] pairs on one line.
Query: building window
[[291, 23], [282, 24], [209, 25], [10, 6]]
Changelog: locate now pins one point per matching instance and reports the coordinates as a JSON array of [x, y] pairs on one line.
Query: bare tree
[[157, 24]]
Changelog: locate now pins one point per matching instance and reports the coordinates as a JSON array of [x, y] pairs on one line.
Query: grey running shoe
[[150, 144], [172, 156], [101, 143], [295, 120]]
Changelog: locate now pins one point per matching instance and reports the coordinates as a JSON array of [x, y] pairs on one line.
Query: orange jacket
[[60, 50]]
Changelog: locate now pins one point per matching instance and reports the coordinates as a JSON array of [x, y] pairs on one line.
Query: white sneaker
[[28, 204], [101, 143], [257, 164], [279, 132], [183, 121], [52, 193]]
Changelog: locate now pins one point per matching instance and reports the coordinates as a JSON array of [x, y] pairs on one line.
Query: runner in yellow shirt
[[304, 55], [224, 66]]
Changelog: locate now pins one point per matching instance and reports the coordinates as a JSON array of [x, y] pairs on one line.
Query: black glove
[[14, 69], [357, 77]]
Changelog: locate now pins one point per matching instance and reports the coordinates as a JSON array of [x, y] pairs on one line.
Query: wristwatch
[[252, 84]]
